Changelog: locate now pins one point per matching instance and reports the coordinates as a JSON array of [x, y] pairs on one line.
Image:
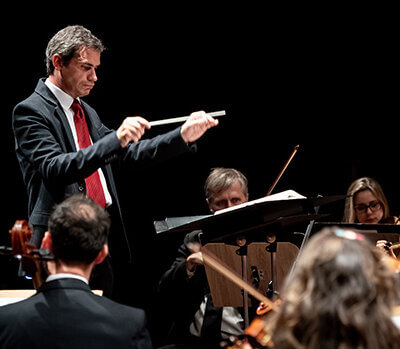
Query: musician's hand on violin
[[197, 124], [385, 247], [132, 129]]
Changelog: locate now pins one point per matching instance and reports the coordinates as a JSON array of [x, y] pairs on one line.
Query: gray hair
[[221, 179], [68, 41]]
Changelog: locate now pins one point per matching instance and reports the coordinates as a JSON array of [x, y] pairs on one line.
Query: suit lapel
[[59, 114]]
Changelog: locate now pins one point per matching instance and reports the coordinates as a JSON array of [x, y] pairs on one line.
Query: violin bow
[[213, 262], [283, 170]]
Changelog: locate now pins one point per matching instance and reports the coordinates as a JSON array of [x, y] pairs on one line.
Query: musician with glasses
[[366, 203]]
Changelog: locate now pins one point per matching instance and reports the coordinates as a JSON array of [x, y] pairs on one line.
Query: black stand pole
[[271, 249], [242, 252]]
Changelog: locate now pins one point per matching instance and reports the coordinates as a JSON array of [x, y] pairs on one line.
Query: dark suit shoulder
[[41, 93], [69, 313], [77, 291], [38, 107], [122, 309]]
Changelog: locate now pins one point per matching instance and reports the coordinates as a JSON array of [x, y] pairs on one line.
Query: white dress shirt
[[66, 101], [232, 323], [66, 276]]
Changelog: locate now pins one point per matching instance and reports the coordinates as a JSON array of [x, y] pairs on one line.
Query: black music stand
[[256, 221], [247, 218], [372, 232]]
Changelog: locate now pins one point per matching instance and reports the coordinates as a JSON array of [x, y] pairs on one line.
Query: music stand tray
[[251, 216], [372, 232]]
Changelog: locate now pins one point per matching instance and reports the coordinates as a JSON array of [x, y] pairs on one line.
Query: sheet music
[[284, 195]]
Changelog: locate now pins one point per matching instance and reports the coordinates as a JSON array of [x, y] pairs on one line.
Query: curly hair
[[340, 295]]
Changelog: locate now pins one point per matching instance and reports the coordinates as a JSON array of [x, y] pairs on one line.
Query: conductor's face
[[78, 76], [231, 197]]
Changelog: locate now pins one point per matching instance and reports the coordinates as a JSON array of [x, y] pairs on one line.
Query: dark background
[[323, 78]]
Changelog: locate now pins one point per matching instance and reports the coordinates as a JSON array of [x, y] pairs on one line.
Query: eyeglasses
[[373, 205]]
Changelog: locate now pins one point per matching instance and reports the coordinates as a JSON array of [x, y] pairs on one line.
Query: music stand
[[259, 270], [246, 218], [253, 220], [372, 232]]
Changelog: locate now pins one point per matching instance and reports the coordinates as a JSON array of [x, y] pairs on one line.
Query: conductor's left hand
[[197, 124]]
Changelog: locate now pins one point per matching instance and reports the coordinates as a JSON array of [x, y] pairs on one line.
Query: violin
[[391, 262], [265, 308], [256, 333], [32, 259]]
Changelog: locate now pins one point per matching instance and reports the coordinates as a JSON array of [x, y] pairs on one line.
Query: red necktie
[[94, 188]]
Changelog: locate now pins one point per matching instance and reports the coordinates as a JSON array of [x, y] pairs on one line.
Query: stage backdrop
[[323, 86]]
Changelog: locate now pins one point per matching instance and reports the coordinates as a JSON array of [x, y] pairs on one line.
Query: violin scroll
[[32, 259], [21, 233]]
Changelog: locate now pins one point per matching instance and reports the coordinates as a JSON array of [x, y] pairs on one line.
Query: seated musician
[[366, 203], [340, 295], [197, 324], [65, 313]]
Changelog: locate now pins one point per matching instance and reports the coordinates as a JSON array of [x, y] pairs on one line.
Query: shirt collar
[[64, 98], [66, 275]]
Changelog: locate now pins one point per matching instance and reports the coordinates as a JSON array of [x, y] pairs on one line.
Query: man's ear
[[57, 62], [102, 255], [46, 242], [209, 205]]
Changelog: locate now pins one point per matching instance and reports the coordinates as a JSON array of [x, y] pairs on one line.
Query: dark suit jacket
[[182, 295], [51, 166], [66, 314]]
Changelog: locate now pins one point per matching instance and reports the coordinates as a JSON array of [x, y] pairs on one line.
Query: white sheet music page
[[284, 195]]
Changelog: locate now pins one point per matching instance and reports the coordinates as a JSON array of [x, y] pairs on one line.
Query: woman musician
[[366, 203]]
